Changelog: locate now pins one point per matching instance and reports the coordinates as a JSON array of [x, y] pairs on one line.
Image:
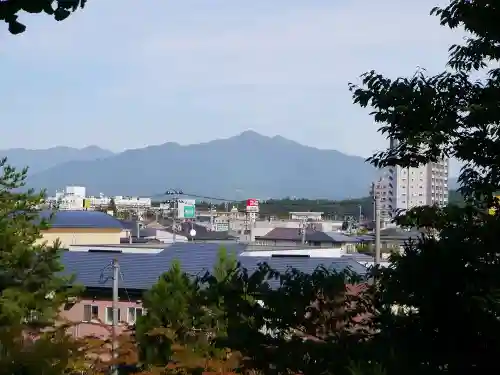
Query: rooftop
[[140, 271], [81, 219], [294, 234]]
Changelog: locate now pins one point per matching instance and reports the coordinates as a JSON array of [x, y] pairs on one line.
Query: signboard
[[86, 204], [189, 212], [186, 209], [252, 205]]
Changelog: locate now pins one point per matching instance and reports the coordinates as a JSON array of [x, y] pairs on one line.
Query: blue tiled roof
[[141, 271], [81, 219]]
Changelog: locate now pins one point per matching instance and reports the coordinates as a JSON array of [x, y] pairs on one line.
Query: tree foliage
[[176, 334], [31, 292], [448, 281], [292, 322], [112, 207], [59, 9]]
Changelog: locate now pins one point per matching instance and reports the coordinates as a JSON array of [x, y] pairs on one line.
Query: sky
[[124, 74]]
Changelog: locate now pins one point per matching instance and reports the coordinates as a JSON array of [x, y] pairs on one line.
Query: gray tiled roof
[[81, 219], [342, 238], [359, 257], [293, 234], [141, 271]]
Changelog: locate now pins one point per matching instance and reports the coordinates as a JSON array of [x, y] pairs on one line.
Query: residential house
[[139, 271], [294, 237], [81, 227]]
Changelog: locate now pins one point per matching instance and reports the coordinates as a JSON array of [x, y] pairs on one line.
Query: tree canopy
[[449, 280], [31, 291], [59, 9]]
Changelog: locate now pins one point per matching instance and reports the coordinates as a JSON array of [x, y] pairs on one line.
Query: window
[[90, 312], [109, 315], [133, 314]]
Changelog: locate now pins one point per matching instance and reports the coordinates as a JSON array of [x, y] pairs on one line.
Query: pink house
[[93, 316]]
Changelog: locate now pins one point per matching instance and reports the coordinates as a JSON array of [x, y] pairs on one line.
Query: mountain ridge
[[39, 160], [246, 165]]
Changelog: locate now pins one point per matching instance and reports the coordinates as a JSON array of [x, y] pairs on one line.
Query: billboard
[[86, 204], [186, 208], [252, 205]]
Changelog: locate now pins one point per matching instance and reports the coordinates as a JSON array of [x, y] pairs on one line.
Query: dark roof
[[342, 238], [293, 234], [359, 257], [365, 237], [129, 224], [148, 232], [141, 271], [81, 219], [202, 233], [399, 234]]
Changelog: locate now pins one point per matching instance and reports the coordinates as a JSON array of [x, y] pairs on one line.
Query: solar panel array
[[141, 271]]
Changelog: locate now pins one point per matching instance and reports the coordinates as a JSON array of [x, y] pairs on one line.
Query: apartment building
[[404, 188]]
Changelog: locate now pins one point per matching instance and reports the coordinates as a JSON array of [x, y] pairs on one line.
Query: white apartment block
[[404, 188]]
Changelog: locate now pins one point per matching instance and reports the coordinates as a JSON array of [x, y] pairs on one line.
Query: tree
[[449, 279], [170, 316], [181, 323], [10, 9], [112, 207], [31, 290], [291, 322]]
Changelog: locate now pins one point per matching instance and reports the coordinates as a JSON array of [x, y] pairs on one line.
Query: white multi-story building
[[74, 198], [404, 188], [120, 202]]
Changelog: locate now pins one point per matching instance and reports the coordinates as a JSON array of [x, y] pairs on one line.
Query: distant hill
[[40, 160], [247, 165]]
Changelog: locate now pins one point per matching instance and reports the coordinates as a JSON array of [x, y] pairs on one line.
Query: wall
[[289, 243], [313, 253], [82, 236], [98, 327]]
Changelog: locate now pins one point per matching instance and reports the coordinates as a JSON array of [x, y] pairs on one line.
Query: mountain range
[[246, 165]]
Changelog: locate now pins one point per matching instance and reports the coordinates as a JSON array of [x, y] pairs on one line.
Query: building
[[75, 198], [140, 271], [311, 216], [71, 198], [121, 202], [283, 237], [81, 227], [405, 188]]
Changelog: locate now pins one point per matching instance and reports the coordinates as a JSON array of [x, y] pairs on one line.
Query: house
[[140, 271], [81, 227], [139, 232], [315, 238], [203, 234], [393, 239]]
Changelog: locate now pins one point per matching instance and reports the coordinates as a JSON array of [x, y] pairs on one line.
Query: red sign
[[252, 205]]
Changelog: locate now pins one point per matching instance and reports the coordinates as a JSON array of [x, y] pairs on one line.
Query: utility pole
[[303, 225], [114, 344], [211, 212], [174, 202]]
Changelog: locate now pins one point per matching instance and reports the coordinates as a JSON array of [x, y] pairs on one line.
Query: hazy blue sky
[[125, 74]]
